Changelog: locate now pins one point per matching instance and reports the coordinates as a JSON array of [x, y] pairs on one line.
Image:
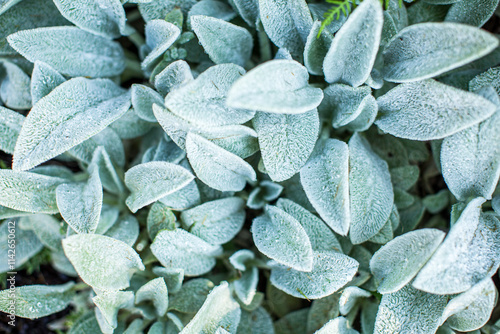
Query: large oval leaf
[[354, 47], [66, 117], [278, 86], [429, 110], [286, 141], [70, 50], [425, 50]]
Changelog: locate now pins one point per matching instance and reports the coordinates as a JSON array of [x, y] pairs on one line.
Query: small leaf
[[316, 48], [28, 191], [396, 263], [47, 229], [280, 236], [472, 12], [35, 301], [286, 22], [108, 139], [173, 278], [370, 190], [66, 118], [172, 77], [217, 167], [160, 35], [87, 323], [155, 291], [216, 222], [423, 51], [338, 325], [344, 102], [321, 311], [131, 126], [258, 321], [245, 287], [487, 78], [278, 86], [181, 249], [210, 8], [70, 50], [286, 141], [350, 297], [15, 86], [325, 182], [248, 10], [331, 271], [203, 101], [153, 180], [159, 9], [219, 310], [103, 17], [126, 229], [143, 99], [110, 179], [44, 80], [109, 303], [396, 313], [10, 126], [160, 218], [353, 50], [422, 110], [224, 42], [27, 245], [191, 296], [102, 262]]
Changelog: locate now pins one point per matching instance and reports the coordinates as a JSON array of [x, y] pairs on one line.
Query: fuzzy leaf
[[173, 278], [350, 297], [15, 86], [159, 9], [143, 99], [353, 50], [280, 236], [160, 35], [160, 217], [325, 182], [153, 180], [102, 262], [44, 80], [426, 50], [488, 78], [87, 323], [396, 263], [429, 110], [109, 303], [472, 12], [66, 118], [70, 50], [191, 296], [316, 48], [338, 325], [331, 271], [203, 101], [126, 229], [248, 10], [103, 17], [344, 102], [181, 249], [173, 76], [27, 245], [155, 291], [223, 41], [216, 222], [210, 8], [47, 229], [10, 126], [131, 126], [278, 86], [245, 287], [286, 141], [110, 179]]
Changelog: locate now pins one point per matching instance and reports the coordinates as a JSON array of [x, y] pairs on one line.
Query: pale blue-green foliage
[[338, 325], [43, 80], [160, 35], [474, 12], [11, 123], [316, 49], [210, 8], [156, 291], [172, 77], [46, 227], [15, 87], [109, 303]]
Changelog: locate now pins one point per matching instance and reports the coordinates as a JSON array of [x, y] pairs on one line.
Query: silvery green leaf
[[471, 309], [102, 262], [239, 259], [441, 2], [173, 277], [184, 198], [55, 171], [61, 263], [104, 17], [70, 50], [441, 47], [287, 23], [181, 249], [331, 271], [320, 236], [472, 12], [422, 110], [28, 191], [283, 54], [495, 204], [108, 139], [43, 80], [487, 78], [411, 216], [210, 8], [153, 180], [155, 291], [160, 35], [366, 117], [467, 255], [404, 177], [224, 42], [217, 222], [246, 286], [370, 190], [218, 310], [421, 12], [35, 301], [344, 102], [131, 126], [164, 150], [203, 100], [278, 86], [396, 313], [136, 327], [15, 86], [160, 217], [353, 50], [286, 141], [255, 322], [321, 311], [218, 168], [26, 15], [403, 199], [10, 126], [325, 182], [316, 48], [350, 297], [293, 323], [143, 98], [386, 233], [11, 213], [46, 228], [191, 296], [80, 203], [338, 325], [248, 10], [368, 316], [281, 237], [172, 77], [87, 323], [126, 229], [104, 325], [318, 11], [27, 245], [396, 263], [110, 302], [66, 118], [108, 175], [158, 9]]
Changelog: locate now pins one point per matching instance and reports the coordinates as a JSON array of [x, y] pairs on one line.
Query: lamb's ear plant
[[250, 166]]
